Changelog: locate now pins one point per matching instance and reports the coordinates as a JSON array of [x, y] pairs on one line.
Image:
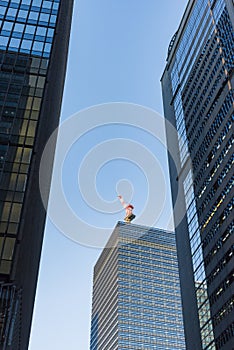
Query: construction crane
[[128, 208]]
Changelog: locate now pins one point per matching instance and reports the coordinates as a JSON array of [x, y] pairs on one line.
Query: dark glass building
[[34, 36], [136, 292], [197, 87]]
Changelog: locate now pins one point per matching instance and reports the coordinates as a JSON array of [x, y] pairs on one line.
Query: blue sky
[[117, 53]]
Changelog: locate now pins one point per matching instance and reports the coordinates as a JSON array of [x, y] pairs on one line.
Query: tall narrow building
[[136, 292], [34, 36], [197, 86]]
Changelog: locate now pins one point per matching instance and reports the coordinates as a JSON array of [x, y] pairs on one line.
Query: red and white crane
[[128, 208]]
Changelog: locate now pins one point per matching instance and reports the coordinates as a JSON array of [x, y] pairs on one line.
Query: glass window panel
[[12, 228], [41, 31], [11, 12], [2, 10], [17, 35], [3, 41], [47, 48], [3, 227], [8, 249], [44, 64], [36, 62], [53, 19], [15, 212], [39, 92], [6, 211], [18, 154], [33, 16], [50, 32], [26, 44], [29, 103], [28, 36], [37, 3], [12, 182], [49, 40], [30, 29], [40, 38], [44, 17], [23, 128], [14, 43], [3, 150], [32, 128], [47, 4], [15, 167], [22, 14], [32, 80], [19, 27], [36, 104], [18, 197], [34, 115], [27, 153], [38, 46], [24, 168], [41, 82], [7, 26], [55, 6], [5, 266], [21, 183]]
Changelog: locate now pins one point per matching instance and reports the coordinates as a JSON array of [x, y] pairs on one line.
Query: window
[[38, 46], [7, 26], [26, 45], [14, 43], [3, 42]]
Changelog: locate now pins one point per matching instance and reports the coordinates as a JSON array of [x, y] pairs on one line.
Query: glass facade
[[136, 292], [200, 75], [203, 303], [27, 26], [27, 38]]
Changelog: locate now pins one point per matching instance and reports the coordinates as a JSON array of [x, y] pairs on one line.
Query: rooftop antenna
[[128, 209]]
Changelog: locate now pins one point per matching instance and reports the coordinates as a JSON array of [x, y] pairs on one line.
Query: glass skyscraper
[[34, 36], [197, 86], [136, 292]]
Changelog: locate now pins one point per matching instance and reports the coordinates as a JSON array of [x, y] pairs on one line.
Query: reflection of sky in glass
[[24, 24]]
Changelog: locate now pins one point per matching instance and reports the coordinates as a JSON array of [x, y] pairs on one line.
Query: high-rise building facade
[[34, 36], [136, 292], [197, 86]]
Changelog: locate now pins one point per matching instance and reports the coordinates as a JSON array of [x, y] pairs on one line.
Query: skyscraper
[[34, 36], [136, 292], [197, 87]]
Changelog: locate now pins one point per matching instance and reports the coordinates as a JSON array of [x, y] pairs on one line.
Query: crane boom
[[128, 209]]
